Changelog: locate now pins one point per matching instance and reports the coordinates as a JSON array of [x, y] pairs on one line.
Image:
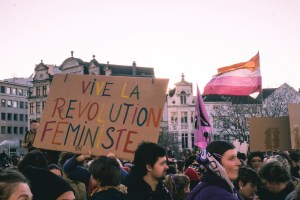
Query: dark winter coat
[[138, 189], [212, 187], [265, 194], [110, 194]]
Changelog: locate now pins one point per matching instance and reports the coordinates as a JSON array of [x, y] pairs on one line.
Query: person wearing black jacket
[[145, 180]]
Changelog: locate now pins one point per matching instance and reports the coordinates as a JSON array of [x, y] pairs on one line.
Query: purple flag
[[202, 123]]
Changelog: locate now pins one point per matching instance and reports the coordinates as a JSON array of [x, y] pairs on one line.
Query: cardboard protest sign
[[101, 113], [269, 134], [294, 115]]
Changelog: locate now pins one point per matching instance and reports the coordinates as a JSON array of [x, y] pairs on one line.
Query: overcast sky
[[194, 37]]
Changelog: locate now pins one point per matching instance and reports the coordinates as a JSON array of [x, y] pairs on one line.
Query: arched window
[[183, 97]]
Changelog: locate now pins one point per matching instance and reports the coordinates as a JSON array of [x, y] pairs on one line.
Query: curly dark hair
[[274, 171]]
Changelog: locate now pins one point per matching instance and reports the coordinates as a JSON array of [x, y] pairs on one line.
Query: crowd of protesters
[[217, 172]]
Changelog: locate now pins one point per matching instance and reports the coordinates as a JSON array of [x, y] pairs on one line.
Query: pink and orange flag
[[202, 123], [241, 79]]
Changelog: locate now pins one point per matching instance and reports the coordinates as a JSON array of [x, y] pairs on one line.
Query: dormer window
[[183, 97]]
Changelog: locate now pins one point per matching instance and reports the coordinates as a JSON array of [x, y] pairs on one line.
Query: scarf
[[207, 162]]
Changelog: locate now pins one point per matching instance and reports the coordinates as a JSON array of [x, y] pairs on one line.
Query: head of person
[[178, 185], [105, 171], [193, 176], [34, 158], [34, 124], [284, 159], [247, 182], [150, 158], [295, 157], [255, 160], [274, 175], [190, 160], [42, 179], [224, 152], [55, 169], [13, 185]]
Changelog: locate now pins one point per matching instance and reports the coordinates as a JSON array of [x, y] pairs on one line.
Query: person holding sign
[[106, 179], [77, 172], [145, 179]]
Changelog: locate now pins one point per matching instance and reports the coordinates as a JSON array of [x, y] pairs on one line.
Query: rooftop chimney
[[133, 68]]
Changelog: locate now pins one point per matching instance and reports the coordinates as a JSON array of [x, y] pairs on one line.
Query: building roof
[[231, 98], [265, 93], [123, 70]]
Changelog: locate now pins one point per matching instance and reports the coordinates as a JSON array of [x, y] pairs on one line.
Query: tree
[[167, 139], [276, 104], [231, 119]]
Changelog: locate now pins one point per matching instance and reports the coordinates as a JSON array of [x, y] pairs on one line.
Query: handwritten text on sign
[[102, 114]]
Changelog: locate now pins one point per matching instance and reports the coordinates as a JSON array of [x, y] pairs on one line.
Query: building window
[[3, 116], [15, 130], [193, 140], [21, 130], [184, 117], [9, 116], [14, 104], [2, 89], [26, 105], [8, 90], [21, 104], [26, 118], [21, 92], [9, 130], [43, 105], [38, 91], [174, 117], [14, 91], [183, 97], [21, 117], [44, 90], [3, 103], [38, 107], [31, 108], [184, 140], [3, 130], [216, 137], [227, 137], [9, 103], [192, 117], [15, 117]]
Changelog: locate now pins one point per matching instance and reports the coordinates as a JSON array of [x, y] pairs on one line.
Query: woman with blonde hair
[[178, 185]]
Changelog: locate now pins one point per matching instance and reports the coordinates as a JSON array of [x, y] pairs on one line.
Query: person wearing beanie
[[255, 160], [221, 165], [45, 185], [193, 176]]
